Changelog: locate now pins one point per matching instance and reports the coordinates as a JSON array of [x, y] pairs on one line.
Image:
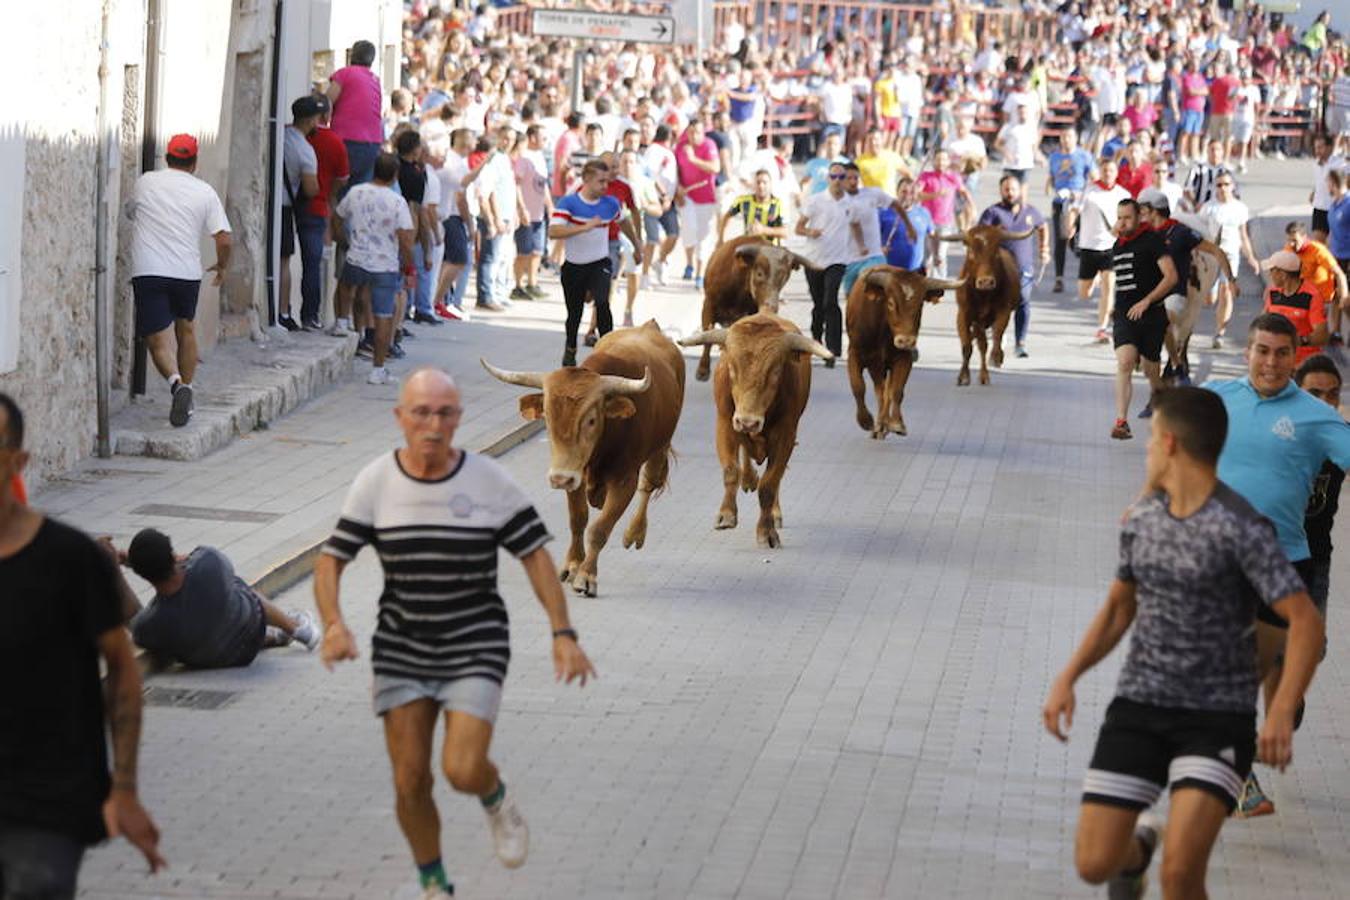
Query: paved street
[[854, 715]]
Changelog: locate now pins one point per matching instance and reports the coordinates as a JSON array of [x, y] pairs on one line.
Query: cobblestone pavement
[[854, 715]]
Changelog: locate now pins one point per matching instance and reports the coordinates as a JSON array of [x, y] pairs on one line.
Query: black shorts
[[1307, 570], [287, 231], [1109, 119], [160, 301], [1090, 262], [456, 242], [1320, 222], [1145, 334], [1142, 749]]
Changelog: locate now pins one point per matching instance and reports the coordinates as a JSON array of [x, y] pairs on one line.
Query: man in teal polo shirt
[[1278, 438]]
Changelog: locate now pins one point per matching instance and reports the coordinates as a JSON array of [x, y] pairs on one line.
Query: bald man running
[[436, 515]]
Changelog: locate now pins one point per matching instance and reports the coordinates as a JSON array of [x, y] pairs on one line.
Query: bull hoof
[[700, 374], [725, 520], [865, 421], [997, 357], [749, 481], [878, 433], [635, 537], [586, 585], [567, 571], [984, 378], [777, 520], [768, 537], [963, 379], [898, 427]]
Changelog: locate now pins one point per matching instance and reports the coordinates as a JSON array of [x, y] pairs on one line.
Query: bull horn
[[747, 252], [716, 336], [524, 379], [876, 277], [1016, 235], [958, 236], [802, 261], [618, 384], [942, 284], [803, 344]]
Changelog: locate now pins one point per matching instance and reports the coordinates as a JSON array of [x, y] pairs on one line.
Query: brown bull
[[761, 387], [989, 295], [610, 422], [883, 315], [744, 276]]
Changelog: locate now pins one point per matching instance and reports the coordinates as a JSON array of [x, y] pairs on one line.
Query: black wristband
[[565, 632]]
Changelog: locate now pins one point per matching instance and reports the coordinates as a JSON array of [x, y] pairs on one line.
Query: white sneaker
[[379, 376], [659, 267], [646, 282], [305, 630], [510, 834], [433, 892], [337, 329]]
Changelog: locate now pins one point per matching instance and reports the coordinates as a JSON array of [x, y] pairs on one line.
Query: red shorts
[[890, 124]]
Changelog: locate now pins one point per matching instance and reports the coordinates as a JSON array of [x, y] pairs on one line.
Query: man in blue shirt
[[1017, 217], [1069, 169], [903, 250], [1278, 438]]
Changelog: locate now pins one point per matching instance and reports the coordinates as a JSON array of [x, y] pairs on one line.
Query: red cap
[[182, 146]]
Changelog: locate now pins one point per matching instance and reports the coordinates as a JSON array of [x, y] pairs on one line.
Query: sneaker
[[590, 338], [396, 351], [518, 293], [311, 325], [1253, 802], [1217, 343], [425, 318], [365, 349], [627, 320], [1121, 430], [1132, 885], [180, 408], [505, 303], [455, 313], [698, 283], [306, 632], [1147, 411], [829, 363], [688, 272], [288, 323], [404, 332], [569, 356], [435, 892], [490, 306], [536, 292], [379, 376], [337, 329], [646, 282], [1101, 336], [659, 267], [510, 834], [1021, 351], [1059, 285]]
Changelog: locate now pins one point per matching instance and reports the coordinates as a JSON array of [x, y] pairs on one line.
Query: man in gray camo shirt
[[1195, 562]]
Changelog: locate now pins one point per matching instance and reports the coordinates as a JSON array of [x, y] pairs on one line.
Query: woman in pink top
[[357, 99], [938, 189]]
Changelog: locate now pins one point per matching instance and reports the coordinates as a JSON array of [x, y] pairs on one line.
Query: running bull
[[990, 293], [744, 276], [883, 314], [760, 388], [610, 423]]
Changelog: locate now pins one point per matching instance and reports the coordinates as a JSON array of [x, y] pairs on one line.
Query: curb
[[296, 568]]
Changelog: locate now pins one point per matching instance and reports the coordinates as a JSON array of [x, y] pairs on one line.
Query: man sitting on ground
[[203, 615]]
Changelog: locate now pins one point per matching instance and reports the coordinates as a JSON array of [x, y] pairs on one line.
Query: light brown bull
[[989, 295], [761, 386], [610, 423], [744, 276], [883, 314]]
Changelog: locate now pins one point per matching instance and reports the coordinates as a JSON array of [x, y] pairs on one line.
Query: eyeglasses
[[839, 177], [423, 413]]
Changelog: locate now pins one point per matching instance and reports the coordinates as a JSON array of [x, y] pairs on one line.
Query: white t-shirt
[[834, 218], [865, 205], [171, 211], [1223, 225], [1019, 146], [1110, 90], [432, 195], [659, 161], [836, 103], [373, 215], [1246, 112], [1322, 193], [1098, 217], [969, 147], [909, 93]]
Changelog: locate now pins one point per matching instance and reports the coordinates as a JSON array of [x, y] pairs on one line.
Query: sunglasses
[[840, 177]]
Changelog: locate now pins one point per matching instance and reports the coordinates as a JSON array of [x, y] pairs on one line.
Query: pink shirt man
[[697, 182], [945, 184], [356, 114], [1196, 82]]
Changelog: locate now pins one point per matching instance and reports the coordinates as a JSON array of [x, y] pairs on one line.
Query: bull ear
[[747, 254], [532, 407], [619, 407], [933, 296]]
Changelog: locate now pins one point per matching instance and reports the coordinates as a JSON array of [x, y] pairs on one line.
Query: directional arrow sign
[[576, 23]]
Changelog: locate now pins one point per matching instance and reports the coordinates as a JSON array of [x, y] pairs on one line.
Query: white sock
[[344, 323], [174, 380]]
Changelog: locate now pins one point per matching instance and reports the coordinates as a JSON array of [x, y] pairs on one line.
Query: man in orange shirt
[[1297, 299], [1321, 269]]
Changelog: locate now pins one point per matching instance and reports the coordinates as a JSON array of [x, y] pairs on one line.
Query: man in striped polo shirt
[[436, 516]]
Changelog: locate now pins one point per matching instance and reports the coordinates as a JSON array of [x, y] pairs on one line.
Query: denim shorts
[[456, 242], [383, 286], [477, 696], [530, 239], [668, 223], [1192, 121]]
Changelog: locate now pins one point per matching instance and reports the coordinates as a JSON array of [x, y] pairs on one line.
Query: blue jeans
[[485, 261], [426, 281], [1022, 316], [310, 231], [361, 156]]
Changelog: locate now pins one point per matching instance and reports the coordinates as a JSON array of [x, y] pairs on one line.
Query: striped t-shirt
[[440, 615]]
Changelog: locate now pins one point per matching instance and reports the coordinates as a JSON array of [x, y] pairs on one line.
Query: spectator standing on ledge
[[333, 173], [300, 185], [171, 210], [61, 615], [357, 118]]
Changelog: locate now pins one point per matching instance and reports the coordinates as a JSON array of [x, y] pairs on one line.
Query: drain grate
[[188, 698], [209, 513]]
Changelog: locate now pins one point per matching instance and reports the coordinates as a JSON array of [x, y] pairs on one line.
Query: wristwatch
[[565, 632]]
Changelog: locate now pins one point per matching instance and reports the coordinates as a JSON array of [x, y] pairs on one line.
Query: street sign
[[596, 26]]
